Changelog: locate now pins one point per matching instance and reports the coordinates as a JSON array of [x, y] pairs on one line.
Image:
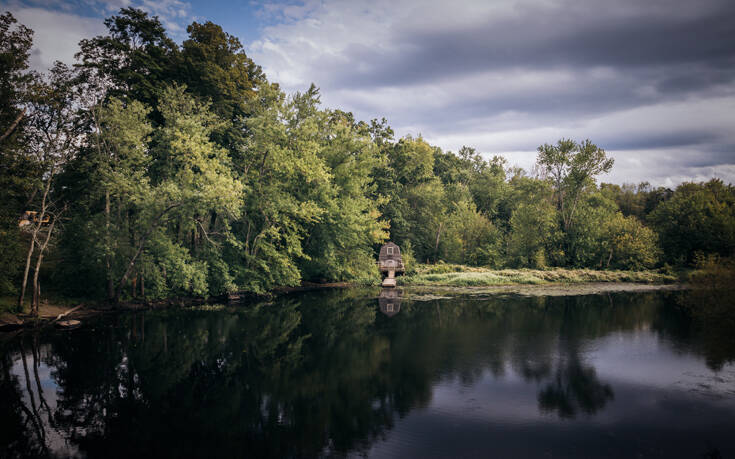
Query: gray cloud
[[652, 82], [570, 34]]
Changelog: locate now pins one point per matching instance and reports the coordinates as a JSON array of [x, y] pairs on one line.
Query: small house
[[390, 263], [390, 258]]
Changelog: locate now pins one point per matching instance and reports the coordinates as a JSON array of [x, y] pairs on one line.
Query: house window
[[389, 250], [389, 307]]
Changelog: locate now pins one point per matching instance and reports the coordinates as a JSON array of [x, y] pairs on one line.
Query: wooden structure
[[31, 216], [390, 263], [390, 301]]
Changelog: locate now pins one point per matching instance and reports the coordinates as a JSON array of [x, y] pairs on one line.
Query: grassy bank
[[465, 276]]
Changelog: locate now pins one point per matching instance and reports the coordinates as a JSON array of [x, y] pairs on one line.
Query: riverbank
[[446, 275], [426, 281]]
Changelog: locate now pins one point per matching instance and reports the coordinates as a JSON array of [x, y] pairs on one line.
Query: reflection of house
[[390, 263], [390, 301]]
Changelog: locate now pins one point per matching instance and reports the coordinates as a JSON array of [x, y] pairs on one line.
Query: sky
[[652, 82]]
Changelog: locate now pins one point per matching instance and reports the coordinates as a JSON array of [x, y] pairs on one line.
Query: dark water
[[337, 373]]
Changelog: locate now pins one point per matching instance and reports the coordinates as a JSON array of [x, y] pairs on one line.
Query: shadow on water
[[313, 374]]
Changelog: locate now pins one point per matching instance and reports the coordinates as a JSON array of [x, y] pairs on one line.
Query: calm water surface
[[343, 373]]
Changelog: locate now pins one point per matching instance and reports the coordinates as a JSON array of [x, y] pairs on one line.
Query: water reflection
[[322, 373], [389, 301]]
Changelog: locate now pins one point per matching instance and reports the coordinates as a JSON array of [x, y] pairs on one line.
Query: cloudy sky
[[652, 82]]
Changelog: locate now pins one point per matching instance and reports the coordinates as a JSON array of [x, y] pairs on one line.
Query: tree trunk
[[36, 417], [436, 246], [39, 260], [21, 297], [34, 239], [13, 126], [108, 248]]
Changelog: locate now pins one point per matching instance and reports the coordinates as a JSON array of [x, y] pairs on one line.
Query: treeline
[[152, 169]]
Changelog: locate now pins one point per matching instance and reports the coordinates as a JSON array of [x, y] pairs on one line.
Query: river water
[[345, 373]]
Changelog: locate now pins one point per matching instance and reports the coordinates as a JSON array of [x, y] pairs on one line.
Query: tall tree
[[571, 166], [18, 171], [55, 133], [136, 56], [214, 66]]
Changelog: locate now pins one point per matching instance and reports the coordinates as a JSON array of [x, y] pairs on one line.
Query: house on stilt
[[390, 263]]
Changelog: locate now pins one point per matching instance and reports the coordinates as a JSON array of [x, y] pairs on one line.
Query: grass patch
[[465, 276], [209, 307]]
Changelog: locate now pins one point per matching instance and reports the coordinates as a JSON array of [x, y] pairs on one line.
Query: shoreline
[[49, 313]]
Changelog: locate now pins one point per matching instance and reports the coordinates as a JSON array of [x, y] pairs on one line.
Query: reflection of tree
[[25, 426], [574, 388], [705, 319], [306, 375]]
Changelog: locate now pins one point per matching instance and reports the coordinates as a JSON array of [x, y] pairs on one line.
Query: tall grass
[[463, 276]]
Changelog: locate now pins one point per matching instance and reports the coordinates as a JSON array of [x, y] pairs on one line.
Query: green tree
[[471, 238], [699, 217], [340, 244], [533, 235], [571, 167], [630, 244], [19, 173], [281, 168], [214, 66], [136, 58]]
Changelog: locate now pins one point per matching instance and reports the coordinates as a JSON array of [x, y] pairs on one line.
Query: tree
[[55, 133], [15, 48], [187, 177], [629, 243], [18, 171], [136, 56], [340, 244], [471, 238], [415, 201], [279, 165], [571, 167], [533, 234], [699, 217], [214, 66]]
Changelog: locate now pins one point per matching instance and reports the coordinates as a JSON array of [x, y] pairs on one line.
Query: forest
[[154, 169]]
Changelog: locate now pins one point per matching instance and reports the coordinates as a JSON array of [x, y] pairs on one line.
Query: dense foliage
[[157, 169]]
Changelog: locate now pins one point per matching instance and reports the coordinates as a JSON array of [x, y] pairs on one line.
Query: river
[[345, 373]]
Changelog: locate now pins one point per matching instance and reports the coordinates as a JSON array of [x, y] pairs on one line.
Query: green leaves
[[571, 166], [699, 217]]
